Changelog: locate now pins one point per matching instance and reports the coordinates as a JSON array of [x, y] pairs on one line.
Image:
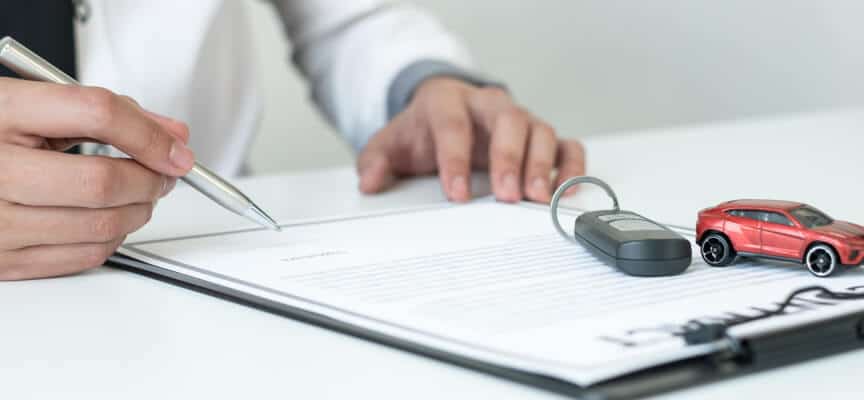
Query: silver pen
[[30, 65]]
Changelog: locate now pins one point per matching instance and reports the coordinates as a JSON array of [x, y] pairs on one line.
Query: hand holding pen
[[63, 213]]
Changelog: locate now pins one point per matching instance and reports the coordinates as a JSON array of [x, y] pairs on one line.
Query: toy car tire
[[717, 251], [821, 260]]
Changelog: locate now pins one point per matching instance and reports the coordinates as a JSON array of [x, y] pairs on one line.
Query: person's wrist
[[436, 83], [409, 80]]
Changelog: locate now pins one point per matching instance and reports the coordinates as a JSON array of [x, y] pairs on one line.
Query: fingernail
[[365, 183], [459, 188], [370, 174], [164, 187], [510, 184], [540, 186], [168, 185], [181, 157]]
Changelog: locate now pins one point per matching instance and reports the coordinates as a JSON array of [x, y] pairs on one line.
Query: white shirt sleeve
[[352, 51]]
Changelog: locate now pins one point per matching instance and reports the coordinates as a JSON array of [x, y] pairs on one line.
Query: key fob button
[[616, 217], [630, 225]]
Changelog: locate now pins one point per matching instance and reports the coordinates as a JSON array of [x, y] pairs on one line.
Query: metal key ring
[[556, 197]]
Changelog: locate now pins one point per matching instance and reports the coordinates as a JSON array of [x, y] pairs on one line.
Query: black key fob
[[632, 243], [628, 241]]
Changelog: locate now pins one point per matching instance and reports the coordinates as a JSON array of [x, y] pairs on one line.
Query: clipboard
[[766, 350]]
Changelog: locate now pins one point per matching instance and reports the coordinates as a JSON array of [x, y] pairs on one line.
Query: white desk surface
[[110, 334]]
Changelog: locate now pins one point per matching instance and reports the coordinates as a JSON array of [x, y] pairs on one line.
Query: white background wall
[[596, 67]]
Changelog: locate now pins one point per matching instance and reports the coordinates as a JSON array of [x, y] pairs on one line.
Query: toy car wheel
[[716, 250], [821, 260]]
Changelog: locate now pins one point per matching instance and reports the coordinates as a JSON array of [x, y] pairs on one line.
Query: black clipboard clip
[[697, 332], [744, 355]]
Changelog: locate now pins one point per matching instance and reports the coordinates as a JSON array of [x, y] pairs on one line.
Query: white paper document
[[488, 281]]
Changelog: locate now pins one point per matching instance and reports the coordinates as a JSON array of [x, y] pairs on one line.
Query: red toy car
[[781, 230]]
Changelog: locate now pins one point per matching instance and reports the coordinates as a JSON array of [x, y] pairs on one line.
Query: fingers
[[509, 129], [542, 152], [507, 153], [520, 143], [452, 133], [42, 178], [70, 112], [470, 127], [571, 161], [373, 165], [61, 213], [54, 260], [30, 226]]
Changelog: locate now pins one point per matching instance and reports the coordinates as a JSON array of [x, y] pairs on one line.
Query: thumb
[[374, 167]]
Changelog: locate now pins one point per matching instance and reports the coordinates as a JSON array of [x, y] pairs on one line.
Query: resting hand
[[453, 127], [62, 213]]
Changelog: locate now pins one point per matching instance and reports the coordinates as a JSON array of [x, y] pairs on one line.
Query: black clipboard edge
[[765, 352]]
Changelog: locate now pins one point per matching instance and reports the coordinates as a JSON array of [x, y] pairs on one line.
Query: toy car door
[[743, 229], [781, 237]]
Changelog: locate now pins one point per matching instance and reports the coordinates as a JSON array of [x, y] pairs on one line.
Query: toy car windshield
[[811, 217]]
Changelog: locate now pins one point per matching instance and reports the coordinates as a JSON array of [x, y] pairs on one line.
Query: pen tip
[[258, 215]]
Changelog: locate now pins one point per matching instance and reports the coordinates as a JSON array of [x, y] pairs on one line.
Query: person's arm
[[402, 91], [363, 59]]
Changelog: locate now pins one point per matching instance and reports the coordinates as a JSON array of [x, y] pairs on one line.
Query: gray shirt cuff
[[409, 79]]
